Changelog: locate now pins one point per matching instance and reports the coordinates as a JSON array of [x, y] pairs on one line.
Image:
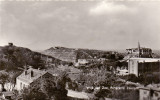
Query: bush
[[103, 93], [89, 90]]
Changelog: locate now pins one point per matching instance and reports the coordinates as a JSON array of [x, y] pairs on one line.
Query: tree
[[3, 79], [125, 95], [131, 77], [8, 51], [106, 80], [12, 75], [33, 94], [47, 87], [2, 65], [103, 93], [37, 62]]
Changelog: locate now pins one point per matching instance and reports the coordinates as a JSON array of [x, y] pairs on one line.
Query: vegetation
[[17, 57], [8, 77], [147, 78], [4, 78], [47, 88], [125, 94]]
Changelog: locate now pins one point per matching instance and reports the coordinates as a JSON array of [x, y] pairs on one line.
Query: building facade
[[140, 52], [140, 66], [28, 77], [146, 93]]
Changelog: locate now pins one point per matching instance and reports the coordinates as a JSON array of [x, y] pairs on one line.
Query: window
[[20, 85], [145, 92], [156, 94]]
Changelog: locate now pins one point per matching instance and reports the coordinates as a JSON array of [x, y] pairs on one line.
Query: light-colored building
[[149, 93], [140, 52], [27, 77], [83, 61], [123, 72], [139, 66]]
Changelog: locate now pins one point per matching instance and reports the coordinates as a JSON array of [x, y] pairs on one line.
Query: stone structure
[[140, 52]]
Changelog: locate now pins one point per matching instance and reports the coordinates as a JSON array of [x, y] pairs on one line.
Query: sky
[[103, 25]]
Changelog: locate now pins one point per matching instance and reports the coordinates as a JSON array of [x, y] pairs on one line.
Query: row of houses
[[83, 62]]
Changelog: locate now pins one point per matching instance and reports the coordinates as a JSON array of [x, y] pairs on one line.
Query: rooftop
[[145, 59], [31, 74], [137, 48]]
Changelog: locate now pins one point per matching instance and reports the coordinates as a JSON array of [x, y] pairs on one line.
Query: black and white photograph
[[79, 49]]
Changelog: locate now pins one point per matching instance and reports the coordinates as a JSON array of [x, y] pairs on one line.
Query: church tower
[[139, 50]]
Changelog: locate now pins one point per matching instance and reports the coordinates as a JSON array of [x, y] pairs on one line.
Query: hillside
[[13, 57], [64, 54], [72, 54]]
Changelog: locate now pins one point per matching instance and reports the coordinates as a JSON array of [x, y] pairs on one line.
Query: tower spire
[[139, 49], [138, 45]]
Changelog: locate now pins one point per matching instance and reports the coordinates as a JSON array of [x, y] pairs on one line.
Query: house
[[149, 93], [140, 66], [7, 95], [47, 59], [28, 77], [81, 62], [102, 59], [123, 72]]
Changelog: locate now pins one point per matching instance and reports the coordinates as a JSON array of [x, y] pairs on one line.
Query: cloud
[[62, 14], [99, 25], [105, 7]]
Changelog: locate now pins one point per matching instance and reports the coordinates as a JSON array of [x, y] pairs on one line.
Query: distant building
[[82, 61], [7, 95], [140, 66], [47, 59], [29, 76], [122, 72], [149, 93], [102, 59], [140, 52]]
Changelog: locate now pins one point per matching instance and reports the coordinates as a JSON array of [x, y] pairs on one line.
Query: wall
[[133, 67], [144, 94], [21, 84]]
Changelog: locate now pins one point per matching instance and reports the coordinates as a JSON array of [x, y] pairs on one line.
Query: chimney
[[25, 72], [31, 73]]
